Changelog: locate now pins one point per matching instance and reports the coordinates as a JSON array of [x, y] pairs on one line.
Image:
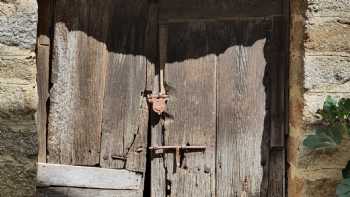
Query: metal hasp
[[178, 150], [158, 102]]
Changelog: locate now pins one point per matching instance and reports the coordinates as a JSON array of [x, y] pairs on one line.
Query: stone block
[[327, 73], [17, 66], [17, 176], [320, 188], [18, 23], [325, 34], [314, 101], [17, 102], [338, 8]]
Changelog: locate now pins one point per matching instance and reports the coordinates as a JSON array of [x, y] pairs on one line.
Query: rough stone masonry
[[319, 66], [18, 97]]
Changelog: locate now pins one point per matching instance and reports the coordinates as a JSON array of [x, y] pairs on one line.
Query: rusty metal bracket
[[178, 150], [158, 102]]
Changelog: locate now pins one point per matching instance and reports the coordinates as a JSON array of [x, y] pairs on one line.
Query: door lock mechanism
[[158, 102], [178, 150]]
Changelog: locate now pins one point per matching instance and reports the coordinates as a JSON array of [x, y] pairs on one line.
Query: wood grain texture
[[86, 177], [78, 72], [278, 56], [43, 69], [277, 174], [125, 112], [156, 167], [241, 107], [213, 9], [79, 192], [192, 104]]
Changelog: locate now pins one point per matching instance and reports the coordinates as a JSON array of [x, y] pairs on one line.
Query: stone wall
[[319, 66], [18, 97]]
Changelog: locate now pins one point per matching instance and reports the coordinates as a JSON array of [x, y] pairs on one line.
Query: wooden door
[[95, 142], [224, 65]]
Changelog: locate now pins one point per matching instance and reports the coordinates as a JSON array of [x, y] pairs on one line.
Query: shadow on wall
[[129, 28]]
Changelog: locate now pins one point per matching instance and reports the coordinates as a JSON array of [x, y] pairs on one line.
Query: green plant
[[343, 189], [334, 124]]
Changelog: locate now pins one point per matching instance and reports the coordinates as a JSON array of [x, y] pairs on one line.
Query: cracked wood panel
[[125, 111], [78, 72], [190, 71], [241, 106]]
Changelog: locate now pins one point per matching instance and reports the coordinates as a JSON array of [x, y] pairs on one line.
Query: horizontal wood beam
[[87, 177], [84, 192], [202, 13]]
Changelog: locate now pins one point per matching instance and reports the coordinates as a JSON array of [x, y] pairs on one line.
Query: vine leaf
[[344, 107], [329, 112], [324, 138], [343, 189], [346, 171]]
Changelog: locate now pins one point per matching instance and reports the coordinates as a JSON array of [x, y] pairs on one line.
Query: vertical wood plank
[[277, 174], [241, 107], [157, 170], [190, 70], [78, 72], [278, 82], [43, 67], [125, 112]]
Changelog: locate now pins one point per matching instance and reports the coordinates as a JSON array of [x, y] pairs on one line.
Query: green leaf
[[346, 171], [343, 189], [344, 104], [330, 110], [330, 103], [324, 138]]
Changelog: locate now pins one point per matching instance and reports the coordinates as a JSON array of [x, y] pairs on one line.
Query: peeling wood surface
[[43, 69], [98, 115], [125, 116], [87, 177], [78, 72], [79, 192], [192, 103], [241, 107]]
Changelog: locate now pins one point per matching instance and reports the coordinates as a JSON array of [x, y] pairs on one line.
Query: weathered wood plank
[[78, 72], [86, 177], [125, 112], [278, 82], [43, 68], [241, 107], [212, 9], [277, 174], [190, 71], [79, 192]]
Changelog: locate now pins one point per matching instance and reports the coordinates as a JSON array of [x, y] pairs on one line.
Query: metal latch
[[158, 102], [178, 150]]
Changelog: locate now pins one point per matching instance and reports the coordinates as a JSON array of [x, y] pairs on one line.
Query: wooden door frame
[[44, 42]]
